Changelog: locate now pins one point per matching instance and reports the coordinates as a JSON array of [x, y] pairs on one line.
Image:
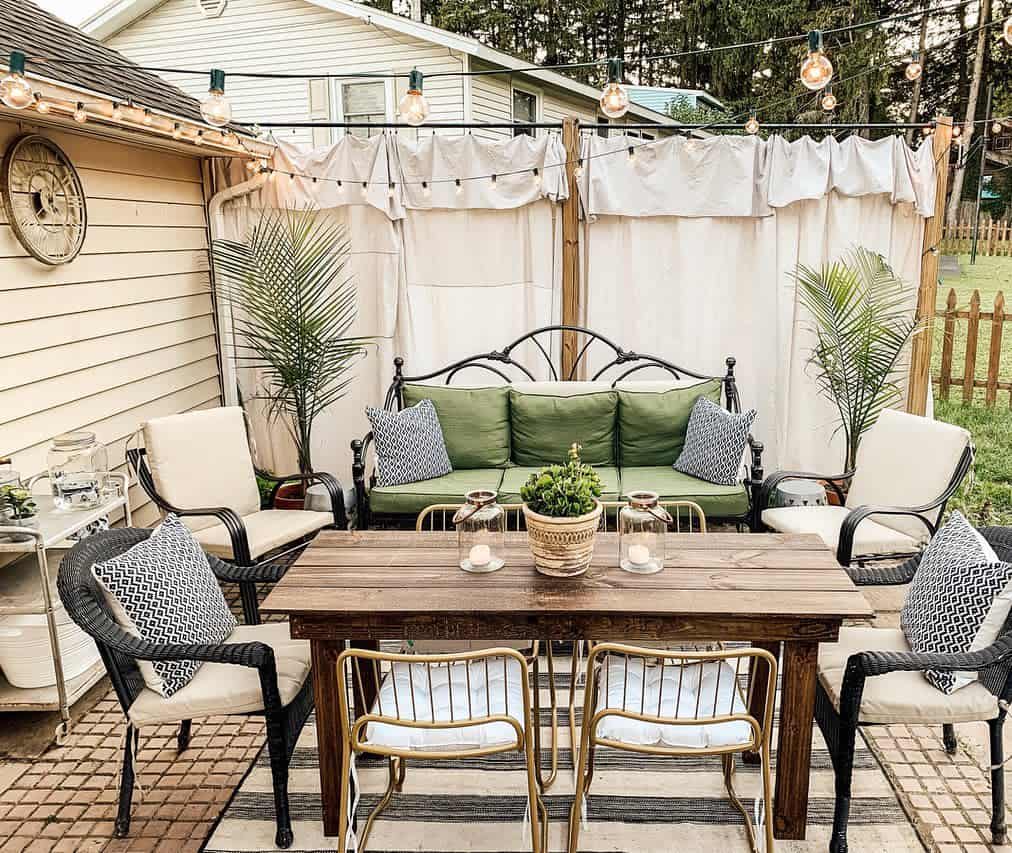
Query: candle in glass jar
[[639, 555], [480, 555]]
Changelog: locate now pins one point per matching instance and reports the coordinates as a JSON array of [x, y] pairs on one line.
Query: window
[[525, 108], [363, 101]]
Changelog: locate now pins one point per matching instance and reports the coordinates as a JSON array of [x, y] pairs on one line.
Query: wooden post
[[927, 293], [570, 247], [970, 360], [994, 355], [945, 379]]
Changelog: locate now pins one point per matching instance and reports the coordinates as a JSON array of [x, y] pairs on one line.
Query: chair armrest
[[874, 663], [885, 575], [330, 482], [845, 544], [773, 480], [232, 573], [359, 449], [233, 524]]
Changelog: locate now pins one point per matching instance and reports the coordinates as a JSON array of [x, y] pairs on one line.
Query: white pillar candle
[[639, 555], [480, 555]]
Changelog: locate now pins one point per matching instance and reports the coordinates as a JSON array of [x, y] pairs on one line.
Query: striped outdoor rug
[[638, 803]]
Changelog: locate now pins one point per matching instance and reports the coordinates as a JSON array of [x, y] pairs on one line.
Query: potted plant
[[18, 509], [863, 319], [293, 305], [562, 510]]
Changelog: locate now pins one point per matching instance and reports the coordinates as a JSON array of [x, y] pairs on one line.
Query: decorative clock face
[[44, 200]]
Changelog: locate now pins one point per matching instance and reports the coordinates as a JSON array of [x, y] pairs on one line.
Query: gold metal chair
[[674, 703], [438, 518], [439, 707]]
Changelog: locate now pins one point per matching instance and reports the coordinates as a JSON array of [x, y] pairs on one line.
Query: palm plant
[[863, 321], [293, 302]]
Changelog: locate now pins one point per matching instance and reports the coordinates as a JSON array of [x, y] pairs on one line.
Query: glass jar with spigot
[[78, 471], [642, 526], [481, 532]]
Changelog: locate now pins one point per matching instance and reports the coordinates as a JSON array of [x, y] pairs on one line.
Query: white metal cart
[[55, 527]]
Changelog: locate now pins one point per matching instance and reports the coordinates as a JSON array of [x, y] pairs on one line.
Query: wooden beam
[[927, 293], [570, 246]]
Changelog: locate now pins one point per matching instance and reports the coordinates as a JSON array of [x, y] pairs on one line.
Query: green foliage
[[688, 113], [293, 303], [862, 319], [563, 491], [17, 501]]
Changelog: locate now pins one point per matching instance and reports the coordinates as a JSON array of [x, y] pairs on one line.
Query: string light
[[413, 108], [459, 186], [914, 67], [996, 128], [177, 130], [492, 180], [215, 108], [578, 171], [426, 189], [1006, 30], [632, 154], [614, 97], [536, 176], [43, 106], [15, 90], [926, 130], [828, 100], [199, 138], [365, 189], [80, 113], [752, 125], [816, 69], [149, 118], [391, 189]]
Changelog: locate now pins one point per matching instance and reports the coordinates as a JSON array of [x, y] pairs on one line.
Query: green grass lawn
[[987, 496]]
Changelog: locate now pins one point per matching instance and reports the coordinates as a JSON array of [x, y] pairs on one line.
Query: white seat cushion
[[899, 697], [870, 537], [266, 530], [505, 688], [621, 687], [222, 688]]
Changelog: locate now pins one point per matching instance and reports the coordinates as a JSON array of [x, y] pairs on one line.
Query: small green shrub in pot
[[562, 510]]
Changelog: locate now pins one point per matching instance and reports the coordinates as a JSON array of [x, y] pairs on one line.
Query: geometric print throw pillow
[[714, 442], [163, 591], [409, 444], [959, 599]]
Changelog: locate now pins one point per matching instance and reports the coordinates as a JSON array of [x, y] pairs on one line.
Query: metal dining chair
[[434, 707]]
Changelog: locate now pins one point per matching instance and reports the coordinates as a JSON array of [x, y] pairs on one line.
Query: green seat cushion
[[652, 424], [412, 498], [716, 500], [514, 478], [544, 426], [475, 422]]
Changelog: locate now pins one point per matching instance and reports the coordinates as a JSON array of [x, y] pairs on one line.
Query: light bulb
[[578, 171], [752, 125], [365, 189], [251, 166], [459, 186], [15, 90], [996, 128], [1006, 30], [816, 69], [632, 154], [536, 177], [926, 130], [41, 105], [391, 190], [80, 113], [957, 131], [177, 130], [614, 97], [492, 180], [148, 119], [829, 101], [199, 138], [413, 108], [215, 108], [117, 111], [914, 67], [426, 189]]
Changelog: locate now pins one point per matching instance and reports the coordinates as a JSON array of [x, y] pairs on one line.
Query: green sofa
[[630, 431]]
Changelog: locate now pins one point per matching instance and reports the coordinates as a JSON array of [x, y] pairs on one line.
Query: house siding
[[124, 332]]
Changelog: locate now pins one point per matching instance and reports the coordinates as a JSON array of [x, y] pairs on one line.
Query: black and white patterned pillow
[[959, 598], [409, 444], [163, 591], [714, 442]]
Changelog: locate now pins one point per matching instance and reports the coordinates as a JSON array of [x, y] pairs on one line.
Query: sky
[[73, 11]]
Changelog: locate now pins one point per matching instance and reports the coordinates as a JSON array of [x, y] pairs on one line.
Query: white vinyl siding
[[126, 330]]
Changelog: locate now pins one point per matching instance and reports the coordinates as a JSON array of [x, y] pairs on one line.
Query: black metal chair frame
[[994, 664], [120, 652], [627, 361], [848, 530]]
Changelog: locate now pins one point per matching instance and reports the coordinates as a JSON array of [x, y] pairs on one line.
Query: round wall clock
[[43, 199]]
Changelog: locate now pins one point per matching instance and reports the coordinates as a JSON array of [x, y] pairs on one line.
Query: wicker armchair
[[858, 687], [286, 702]]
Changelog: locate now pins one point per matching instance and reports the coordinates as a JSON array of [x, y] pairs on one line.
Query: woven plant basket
[[562, 547]]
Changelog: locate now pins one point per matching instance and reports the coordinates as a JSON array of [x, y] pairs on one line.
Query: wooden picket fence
[[969, 381], [995, 237]]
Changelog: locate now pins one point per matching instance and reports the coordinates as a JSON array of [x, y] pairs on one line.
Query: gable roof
[[41, 35], [119, 14], [659, 98]]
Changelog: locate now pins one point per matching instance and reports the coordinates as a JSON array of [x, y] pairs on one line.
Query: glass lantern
[[642, 525], [481, 533], [78, 471]]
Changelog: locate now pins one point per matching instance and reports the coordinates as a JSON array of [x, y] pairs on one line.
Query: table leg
[[794, 748], [370, 686], [329, 729], [758, 684]]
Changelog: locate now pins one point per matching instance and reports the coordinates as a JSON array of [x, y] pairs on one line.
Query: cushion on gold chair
[[870, 537], [221, 688], [427, 693], [899, 697], [266, 530]]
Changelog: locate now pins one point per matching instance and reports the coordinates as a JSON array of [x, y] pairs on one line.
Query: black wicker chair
[[120, 651], [840, 720]]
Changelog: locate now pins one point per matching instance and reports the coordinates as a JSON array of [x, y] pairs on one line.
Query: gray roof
[[39, 34]]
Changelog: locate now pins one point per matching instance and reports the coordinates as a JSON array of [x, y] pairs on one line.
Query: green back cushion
[[544, 426], [652, 424], [475, 422]]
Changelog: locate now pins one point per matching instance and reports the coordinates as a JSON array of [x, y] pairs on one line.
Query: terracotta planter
[[290, 496], [562, 547]]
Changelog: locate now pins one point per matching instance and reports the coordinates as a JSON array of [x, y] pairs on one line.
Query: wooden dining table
[[782, 592]]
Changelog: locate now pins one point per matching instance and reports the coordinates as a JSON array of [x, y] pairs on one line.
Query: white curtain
[[675, 279]]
